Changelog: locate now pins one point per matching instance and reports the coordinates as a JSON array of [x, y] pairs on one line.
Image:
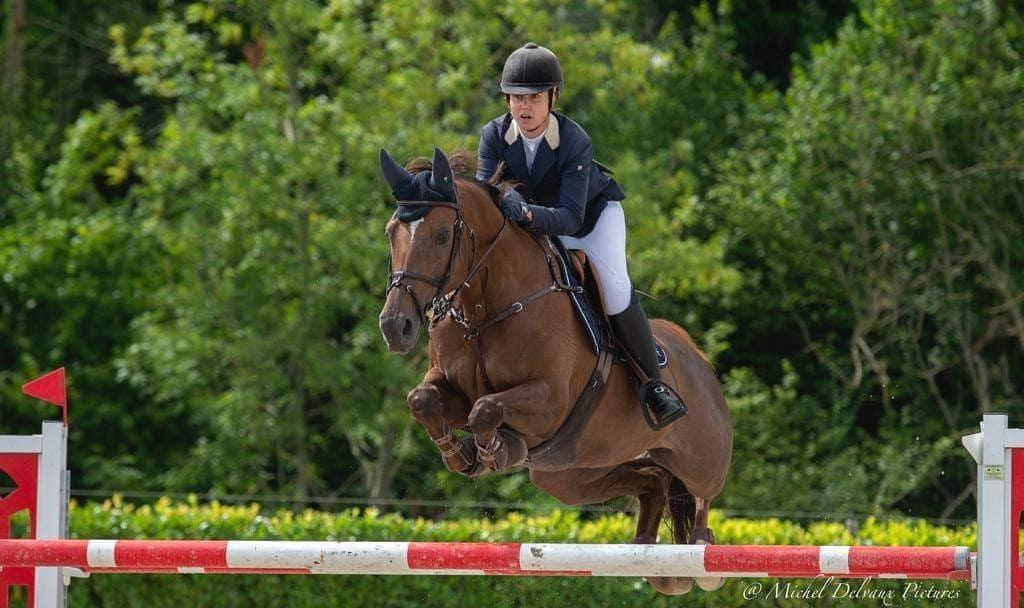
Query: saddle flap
[[588, 311], [579, 265]]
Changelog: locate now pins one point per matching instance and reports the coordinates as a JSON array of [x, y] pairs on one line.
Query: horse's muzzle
[[400, 330]]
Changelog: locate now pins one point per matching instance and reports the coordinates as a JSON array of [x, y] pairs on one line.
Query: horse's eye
[[441, 236]]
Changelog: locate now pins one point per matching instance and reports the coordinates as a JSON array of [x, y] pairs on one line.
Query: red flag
[[50, 387]]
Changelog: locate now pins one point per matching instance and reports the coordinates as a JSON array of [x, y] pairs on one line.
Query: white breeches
[[605, 247]]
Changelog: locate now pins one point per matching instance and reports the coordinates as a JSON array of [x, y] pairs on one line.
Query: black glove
[[514, 207]]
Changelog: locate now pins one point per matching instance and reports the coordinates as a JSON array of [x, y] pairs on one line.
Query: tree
[[882, 204]]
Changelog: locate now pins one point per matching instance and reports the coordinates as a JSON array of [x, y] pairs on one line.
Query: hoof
[[671, 585], [704, 536], [707, 583], [504, 450], [665, 585], [424, 403], [486, 415], [475, 470]]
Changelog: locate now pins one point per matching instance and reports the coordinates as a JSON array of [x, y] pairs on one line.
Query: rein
[[441, 304], [474, 330]]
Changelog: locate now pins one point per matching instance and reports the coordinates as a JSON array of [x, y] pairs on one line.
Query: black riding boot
[[634, 333]]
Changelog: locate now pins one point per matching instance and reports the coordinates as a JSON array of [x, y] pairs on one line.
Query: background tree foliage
[[829, 196]]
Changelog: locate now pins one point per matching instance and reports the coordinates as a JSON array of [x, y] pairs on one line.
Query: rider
[[563, 192]]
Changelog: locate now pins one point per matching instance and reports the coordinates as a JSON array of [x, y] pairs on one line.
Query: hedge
[[169, 520]]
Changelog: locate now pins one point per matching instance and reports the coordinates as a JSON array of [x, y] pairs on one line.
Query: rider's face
[[530, 112]]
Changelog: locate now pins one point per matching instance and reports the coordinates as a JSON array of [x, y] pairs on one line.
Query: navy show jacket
[[570, 188]]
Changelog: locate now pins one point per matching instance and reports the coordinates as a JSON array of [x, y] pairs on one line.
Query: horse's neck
[[514, 269]]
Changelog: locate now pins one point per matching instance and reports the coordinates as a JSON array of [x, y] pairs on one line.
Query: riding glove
[[514, 207]]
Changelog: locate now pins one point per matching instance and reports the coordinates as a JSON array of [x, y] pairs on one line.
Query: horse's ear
[[396, 176], [442, 179]]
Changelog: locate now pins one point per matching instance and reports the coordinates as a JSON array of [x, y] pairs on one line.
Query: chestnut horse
[[454, 255]]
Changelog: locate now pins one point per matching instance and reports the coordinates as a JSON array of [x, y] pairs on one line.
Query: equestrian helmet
[[530, 69]]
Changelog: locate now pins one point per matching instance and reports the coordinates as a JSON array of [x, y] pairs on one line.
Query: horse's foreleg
[[498, 448], [440, 409], [702, 535]]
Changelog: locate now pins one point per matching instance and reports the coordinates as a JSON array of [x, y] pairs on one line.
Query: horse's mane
[[463, 164]]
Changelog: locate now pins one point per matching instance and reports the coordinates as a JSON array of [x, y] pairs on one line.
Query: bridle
[[441, 302]]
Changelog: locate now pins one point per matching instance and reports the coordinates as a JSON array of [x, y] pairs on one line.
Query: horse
[[510, 373]]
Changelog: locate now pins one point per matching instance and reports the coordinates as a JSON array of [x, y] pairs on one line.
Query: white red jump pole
[[513, 559], [44, 562]]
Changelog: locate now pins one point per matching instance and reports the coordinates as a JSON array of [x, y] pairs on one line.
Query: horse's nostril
[[407, 328]]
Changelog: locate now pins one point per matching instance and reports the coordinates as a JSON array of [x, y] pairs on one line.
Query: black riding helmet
[[531, 69]]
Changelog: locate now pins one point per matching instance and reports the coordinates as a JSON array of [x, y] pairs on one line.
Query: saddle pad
[[584, 310]]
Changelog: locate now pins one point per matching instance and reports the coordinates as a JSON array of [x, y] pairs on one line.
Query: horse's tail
[[681, 508]]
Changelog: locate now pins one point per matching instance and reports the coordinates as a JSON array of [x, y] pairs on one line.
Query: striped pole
[[533, 559]]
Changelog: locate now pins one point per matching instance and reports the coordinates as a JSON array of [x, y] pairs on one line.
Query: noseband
[[440, 303]]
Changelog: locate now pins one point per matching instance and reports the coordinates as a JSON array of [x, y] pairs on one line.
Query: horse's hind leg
[[681, 509], [440, 409], [642, 478], [651, 496], [701, 534]]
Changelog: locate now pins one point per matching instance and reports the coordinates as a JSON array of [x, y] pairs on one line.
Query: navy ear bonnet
[[435, 185], [418, 189]]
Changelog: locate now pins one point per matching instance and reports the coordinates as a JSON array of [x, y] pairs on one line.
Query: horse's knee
[[486, 415], [425, 402]]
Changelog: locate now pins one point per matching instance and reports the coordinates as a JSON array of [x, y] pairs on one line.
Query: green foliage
[[881, 203], [261, 186], [191, 215], [167, 520]]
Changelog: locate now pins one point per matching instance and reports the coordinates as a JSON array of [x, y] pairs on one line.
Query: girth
[[474, 330], [559, 451]]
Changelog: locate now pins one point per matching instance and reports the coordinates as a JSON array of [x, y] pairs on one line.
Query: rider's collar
[[550, 134]]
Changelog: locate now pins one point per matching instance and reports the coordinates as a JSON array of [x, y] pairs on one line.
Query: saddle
[[588, 302], [559, 452]]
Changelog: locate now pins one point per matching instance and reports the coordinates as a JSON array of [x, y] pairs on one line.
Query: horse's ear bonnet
[[397, 177], [435, 185], [442, 178]]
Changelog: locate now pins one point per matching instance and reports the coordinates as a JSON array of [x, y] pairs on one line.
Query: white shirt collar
[[550, 134]]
